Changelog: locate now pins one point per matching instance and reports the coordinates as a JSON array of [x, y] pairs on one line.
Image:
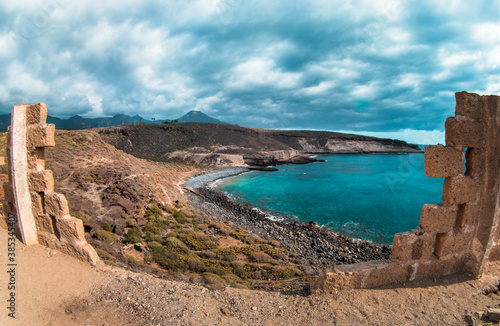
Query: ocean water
[[366, 196]]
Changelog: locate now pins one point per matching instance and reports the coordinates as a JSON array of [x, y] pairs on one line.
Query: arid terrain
[[193, 257], [58, 290]]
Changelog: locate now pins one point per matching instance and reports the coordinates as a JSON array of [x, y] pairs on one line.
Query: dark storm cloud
[[364, 66]]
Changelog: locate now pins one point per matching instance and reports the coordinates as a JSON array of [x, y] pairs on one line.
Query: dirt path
[[54, 289]]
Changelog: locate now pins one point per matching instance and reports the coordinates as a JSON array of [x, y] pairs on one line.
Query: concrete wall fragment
[[43, 215], [460, 234]]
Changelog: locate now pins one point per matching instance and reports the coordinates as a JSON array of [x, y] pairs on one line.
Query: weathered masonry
[[461, 233], [42, 215]]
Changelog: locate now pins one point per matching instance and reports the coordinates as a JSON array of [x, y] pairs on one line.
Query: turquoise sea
[[367, 196]]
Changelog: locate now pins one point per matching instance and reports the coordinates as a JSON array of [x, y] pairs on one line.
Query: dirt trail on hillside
[[55, 289]]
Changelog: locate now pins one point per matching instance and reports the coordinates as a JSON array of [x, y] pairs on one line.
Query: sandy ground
[[55, 289]]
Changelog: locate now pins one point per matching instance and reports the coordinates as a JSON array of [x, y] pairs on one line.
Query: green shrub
[[256, 240], [233, 280], [275, 243], [175, 244], [248, 250], [182, 218], [275, 253], [195, 264], [81, 216], [155, 209], [219, 227], [152, 227], [285, 273], [167, 258], [133, 236], [130, 222], [264, 247], [173, 235], [238, 267], [150, 237], [240, 234], [105, 226], [129, 259], [214, 282], [104, 254], [106, 236], [228, 253], [261, 257], [199, 241]]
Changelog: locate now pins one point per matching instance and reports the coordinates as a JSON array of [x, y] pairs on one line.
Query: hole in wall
[[468, 161], [54, 227], [466, 170], [460, 222], [42, 197]]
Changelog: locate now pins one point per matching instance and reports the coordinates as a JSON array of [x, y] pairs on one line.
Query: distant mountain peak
[[198, 116]]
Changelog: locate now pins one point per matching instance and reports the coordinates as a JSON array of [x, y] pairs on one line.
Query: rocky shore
[[320, 249], [209, 177]]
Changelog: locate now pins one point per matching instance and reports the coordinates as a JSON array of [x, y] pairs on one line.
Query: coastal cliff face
[[335, 146], [210, 144]]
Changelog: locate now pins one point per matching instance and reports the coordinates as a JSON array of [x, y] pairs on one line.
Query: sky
[[382, 68]]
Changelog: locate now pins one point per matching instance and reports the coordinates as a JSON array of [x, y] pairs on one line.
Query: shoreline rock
[[319, 248]]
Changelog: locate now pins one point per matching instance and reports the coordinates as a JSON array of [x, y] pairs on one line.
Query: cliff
[[227, 144]]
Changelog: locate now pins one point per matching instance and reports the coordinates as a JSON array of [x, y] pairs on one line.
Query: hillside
[[204, 143]]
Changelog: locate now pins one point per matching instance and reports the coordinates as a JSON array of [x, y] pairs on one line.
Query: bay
[[366, 196]]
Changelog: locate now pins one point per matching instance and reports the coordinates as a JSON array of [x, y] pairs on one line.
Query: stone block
[[462, 132], [36, 158], [41, 135], [56, 205], [70, 228], [441, 161], [41, 181], [438, 218], [474, 161], [470, 105], [88, 253], [36, 203], [411, 246], [467, 215], [452, 243], [493, 105], [390, 273], [345, 277], [440, 266], [44, 223], [36, 113], [49, 240], [461, 189]]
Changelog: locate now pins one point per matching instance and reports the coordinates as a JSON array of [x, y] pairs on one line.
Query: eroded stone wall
[[43, 215], [459, 234]]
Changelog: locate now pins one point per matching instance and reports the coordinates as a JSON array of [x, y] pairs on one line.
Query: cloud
[[372, 67]]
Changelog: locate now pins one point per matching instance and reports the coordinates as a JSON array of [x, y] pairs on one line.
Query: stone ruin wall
[[461, 233], [42, 215], [458, 235]]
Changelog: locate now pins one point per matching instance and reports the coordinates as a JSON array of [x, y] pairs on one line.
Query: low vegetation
[[187, 243]]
